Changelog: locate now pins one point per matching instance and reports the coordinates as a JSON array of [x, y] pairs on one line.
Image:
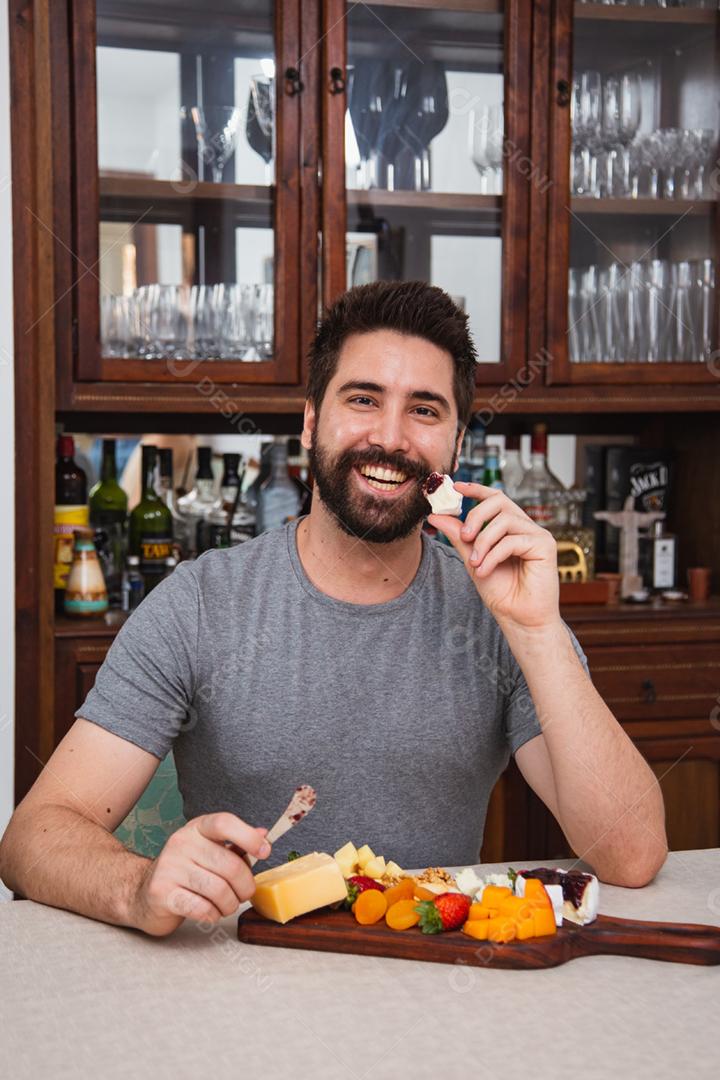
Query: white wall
[[7, 497]]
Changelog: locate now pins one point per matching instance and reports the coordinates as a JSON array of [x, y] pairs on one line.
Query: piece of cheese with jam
[[307, 883]]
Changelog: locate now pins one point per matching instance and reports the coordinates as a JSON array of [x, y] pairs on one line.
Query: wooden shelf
[[643, 207], [653, 15], [130, 188], [379, 199], [482, 7]]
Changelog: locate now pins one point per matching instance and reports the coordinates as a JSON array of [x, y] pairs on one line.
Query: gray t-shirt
[[401, 715]]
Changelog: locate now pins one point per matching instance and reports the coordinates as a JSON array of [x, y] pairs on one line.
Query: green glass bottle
[[492, 476], [109, 516], [151, 525]]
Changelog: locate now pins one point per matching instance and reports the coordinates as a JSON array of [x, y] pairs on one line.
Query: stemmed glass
[[486, 144], [216, 130], [587, 101], [630, 117], [260, 121]]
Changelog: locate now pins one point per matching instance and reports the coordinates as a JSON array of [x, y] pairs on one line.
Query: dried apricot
[[402, 914], [404, 890], [369, 907]]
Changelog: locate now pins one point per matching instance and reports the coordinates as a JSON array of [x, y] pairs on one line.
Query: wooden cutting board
[[337, 931]]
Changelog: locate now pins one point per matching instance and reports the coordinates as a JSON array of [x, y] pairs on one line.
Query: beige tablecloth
[[81, 999]]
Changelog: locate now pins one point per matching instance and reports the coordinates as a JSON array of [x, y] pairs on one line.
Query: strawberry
[[360, 883], [448, 911]]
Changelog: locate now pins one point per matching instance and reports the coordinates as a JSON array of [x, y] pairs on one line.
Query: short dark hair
[[408, 307]]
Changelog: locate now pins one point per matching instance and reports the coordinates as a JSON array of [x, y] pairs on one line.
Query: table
[[82, 999]]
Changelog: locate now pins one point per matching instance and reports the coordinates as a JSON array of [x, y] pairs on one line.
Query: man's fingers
[[503, 525], [226, 826], [451, 527], [518, 545], [211, 887], [190, 905], [227, 864]]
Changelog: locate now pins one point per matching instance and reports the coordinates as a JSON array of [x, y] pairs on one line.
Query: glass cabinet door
[[190, 153], [633, 222], [427, 132]]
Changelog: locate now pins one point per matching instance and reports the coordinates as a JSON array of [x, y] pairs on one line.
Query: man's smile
[[383, 481]]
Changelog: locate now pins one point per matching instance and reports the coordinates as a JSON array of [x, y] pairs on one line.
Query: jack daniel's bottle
[[151, 528]]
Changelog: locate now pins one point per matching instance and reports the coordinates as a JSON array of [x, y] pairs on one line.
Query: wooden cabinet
[[80, 650], [659, 672]]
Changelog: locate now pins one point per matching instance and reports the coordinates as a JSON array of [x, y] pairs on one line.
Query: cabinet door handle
[[337, 81], [293, 83], [563, 92], [649, 692]]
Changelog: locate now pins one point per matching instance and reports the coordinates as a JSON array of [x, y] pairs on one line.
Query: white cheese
[[445, 499]]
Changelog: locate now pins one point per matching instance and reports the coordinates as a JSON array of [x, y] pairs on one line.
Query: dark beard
[[377, 520]]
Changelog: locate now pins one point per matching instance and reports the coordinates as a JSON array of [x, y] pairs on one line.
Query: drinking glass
[[682, 336], [216, 131], [233, 320], [115, 325], [630, 116], [655, 312], [486, 144], [590, 125], [609, 135], [262, 300], [704, 307], [203, 321]]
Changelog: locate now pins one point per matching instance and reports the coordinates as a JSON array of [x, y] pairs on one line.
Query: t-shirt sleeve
[[144, 689], [521, 722]]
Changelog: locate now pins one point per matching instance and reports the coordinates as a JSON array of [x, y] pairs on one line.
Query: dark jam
[[574, 882], [433, 482]]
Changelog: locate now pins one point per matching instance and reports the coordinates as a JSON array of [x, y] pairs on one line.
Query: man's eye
[[361, 400], [425, 411]]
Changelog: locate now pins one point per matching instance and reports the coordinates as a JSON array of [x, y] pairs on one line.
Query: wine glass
[[260, 122], [216, 131], [486, 143], [630, 117]]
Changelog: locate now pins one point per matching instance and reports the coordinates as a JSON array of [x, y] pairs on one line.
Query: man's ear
[[309, 419], [458, 446]]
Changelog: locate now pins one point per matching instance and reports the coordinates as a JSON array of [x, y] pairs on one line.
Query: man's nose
[[389, 432]]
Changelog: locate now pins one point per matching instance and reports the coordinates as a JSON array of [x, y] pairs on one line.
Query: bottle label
[[67, 518], [664, 569], [153, 552], [538, 512]]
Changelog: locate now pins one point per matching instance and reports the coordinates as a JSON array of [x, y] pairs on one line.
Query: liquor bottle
[[511, 466], [539, 491], [133, 586], [491, 476], [166, 491], [108, 516], [197, 503], [658, 558], [71, 511], [151, 527], [85, 591], [279, 499], [213, 531]]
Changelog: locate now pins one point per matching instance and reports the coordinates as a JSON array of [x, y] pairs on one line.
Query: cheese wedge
[[302, 885]]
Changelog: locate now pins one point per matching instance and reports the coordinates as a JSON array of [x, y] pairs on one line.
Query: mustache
[[354, 458]]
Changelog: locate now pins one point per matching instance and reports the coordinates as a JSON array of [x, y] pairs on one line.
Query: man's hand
[[196, 876], [511, 560]]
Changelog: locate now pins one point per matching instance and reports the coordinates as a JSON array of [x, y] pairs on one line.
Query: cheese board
[[326, 930]]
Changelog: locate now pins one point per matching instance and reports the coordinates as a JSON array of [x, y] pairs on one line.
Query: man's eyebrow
[[415, 395]]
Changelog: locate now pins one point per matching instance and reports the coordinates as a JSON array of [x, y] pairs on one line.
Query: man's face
[[389, 406]]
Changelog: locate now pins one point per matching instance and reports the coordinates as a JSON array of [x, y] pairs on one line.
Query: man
[[347, 651]]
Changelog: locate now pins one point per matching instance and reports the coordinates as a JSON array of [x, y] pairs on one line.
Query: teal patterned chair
[[157, 813]]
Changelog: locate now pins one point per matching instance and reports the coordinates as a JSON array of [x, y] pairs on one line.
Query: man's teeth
[[375, 472]]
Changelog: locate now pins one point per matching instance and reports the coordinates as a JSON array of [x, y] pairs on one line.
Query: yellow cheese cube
[[302, 885]]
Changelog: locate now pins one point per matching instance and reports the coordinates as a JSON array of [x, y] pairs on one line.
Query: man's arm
[[59, 849], [601, 790], [585, 768]]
